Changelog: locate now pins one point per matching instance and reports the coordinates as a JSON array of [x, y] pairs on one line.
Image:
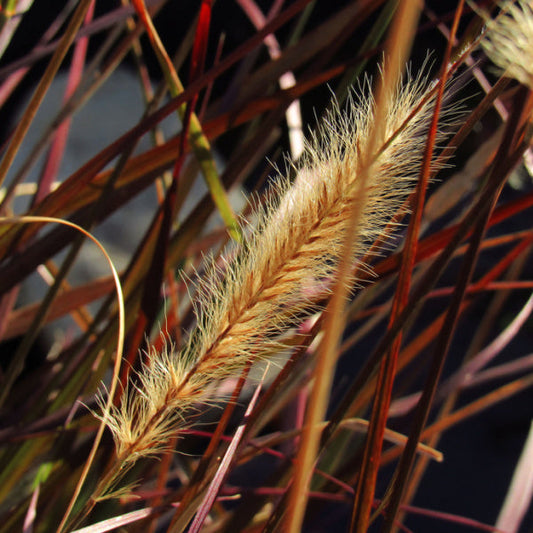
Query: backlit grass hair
[[286, 265]]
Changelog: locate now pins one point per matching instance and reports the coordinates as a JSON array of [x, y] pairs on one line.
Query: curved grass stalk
[[120, 344]]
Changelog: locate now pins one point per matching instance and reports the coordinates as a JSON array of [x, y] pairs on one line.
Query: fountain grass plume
[[509, 41], [285, 267]]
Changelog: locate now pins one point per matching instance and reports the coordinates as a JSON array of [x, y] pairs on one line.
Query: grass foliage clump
[[375, 281]]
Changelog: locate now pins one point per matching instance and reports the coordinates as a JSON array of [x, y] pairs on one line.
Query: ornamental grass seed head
[[283, 271], [509, 41]]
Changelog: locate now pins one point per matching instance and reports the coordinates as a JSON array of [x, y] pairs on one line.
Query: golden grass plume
[[509, 41], [284, 269]]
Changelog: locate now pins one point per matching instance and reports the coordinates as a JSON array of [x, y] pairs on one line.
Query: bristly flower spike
[[509, 41], [284, 269]]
